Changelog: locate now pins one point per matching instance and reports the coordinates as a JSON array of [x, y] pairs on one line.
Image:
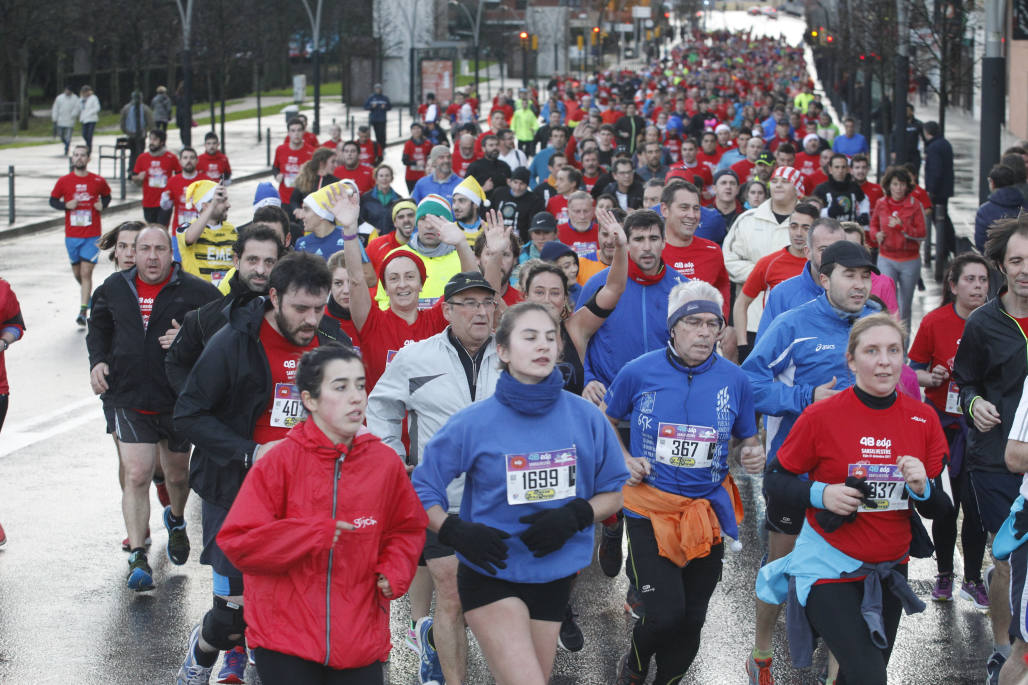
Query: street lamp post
[[186, 15], [476, 23], [315, 19]]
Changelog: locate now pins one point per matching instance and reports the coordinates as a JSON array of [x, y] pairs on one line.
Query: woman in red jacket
[[326, 530], [898, 227]]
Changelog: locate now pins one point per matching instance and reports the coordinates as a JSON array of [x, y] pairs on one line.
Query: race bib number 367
[[888, 487], [286, 410], [541, 476], [689, 447]]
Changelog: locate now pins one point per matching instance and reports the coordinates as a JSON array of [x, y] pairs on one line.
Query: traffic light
[[829, 39], [523, 35]]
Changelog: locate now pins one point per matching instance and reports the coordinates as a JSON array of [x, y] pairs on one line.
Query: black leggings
[[972, 535], [675, 600], [834, 612], [276, 668], [4, 400]]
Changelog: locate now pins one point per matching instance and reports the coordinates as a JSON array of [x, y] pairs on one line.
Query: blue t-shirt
[[327, 246], [682, 420], [850, 146]]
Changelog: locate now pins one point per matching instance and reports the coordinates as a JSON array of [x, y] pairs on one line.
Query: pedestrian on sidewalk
[[136, 120], [161, 106], [938, 181], [89, 114], [378, 105], [64, 112]]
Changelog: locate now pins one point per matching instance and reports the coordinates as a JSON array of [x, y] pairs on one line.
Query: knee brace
[[223, 625]]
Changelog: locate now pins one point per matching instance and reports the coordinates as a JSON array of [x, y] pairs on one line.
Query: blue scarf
[[532, 399]]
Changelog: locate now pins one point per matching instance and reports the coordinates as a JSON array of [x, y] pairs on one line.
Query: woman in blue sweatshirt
[[541, 466]]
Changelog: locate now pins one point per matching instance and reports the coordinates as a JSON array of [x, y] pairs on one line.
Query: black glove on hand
[[830, 521], [480, 544], [551, 528], [1021, 523]]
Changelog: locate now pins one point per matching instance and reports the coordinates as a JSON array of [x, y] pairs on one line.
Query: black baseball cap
[[521, 174], [850, 255], [765, 158], [465, 280], [543, 221]]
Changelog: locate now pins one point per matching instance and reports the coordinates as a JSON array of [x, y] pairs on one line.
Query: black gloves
[[550, 529], [480, 544], [1021, 522], [830, 521]]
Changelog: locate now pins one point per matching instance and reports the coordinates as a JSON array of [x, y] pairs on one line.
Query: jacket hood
[[1009, 197], [313, 440]]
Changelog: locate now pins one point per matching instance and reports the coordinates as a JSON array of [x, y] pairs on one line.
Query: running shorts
[[545, 601]]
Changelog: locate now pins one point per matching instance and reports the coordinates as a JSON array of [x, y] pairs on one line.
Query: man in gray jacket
[[429, 381], [64, 113]]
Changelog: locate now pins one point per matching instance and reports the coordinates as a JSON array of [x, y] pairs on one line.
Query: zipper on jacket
[[331, 555]]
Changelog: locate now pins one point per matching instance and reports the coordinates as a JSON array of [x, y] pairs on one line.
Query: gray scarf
[[440, 250]]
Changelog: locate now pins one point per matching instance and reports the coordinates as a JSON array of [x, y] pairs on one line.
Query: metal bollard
[[267, 136], [123, 190], [352, 136], [10, 194]]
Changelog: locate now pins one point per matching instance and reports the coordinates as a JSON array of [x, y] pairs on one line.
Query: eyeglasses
[[474, 304], [693, 323]]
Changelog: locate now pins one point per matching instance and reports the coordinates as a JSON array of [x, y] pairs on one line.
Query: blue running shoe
[[233, 668], [190, 672], [431, 672], [178, 541], [140, 575]]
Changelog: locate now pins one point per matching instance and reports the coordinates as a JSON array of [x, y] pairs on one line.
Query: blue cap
[[266, 195]]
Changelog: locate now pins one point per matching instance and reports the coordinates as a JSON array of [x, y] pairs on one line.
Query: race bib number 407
[[888, 487], [286, 410], [541, 476]]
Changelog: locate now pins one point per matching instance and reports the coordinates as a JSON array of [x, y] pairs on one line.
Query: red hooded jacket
[[304, 596], [900, 241]]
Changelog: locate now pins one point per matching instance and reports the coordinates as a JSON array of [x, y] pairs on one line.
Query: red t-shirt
[[84, 220], [158, 172], [585, 243], [417, 156], [213, 166], [772, 146], [807, 165], [743, 169], [873, 191], [710, 161], [461, 163], [147, 295], [371, 152], [284, 408], [331, 144], [384, 334], [9, 309], [177, 191], [936, 343], [288, 162], [558, 207], [841, 435], [701, 259], [771, 270], [699, 175], [673, 145], [919, 194], [590, 181], [363, 176], [1023, 323], [347, 326], [814, 180]]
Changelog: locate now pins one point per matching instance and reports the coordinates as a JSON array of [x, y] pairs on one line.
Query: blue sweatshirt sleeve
[[611, 472], [746, 421], [588, 290], [772, 354], [620, 395], [441, 462]]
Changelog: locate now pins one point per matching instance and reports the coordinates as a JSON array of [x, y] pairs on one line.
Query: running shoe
[[125, 547], [634, 603], [233, 668], [190, 672], [570, 636], [609, 551], [162, 492], [943, 590], [178, 541], [140, 575], [411, 641], [3, 537], [627, 675], [759, 671], [976, 593], [992, 668], [431, 673], [81, 319]]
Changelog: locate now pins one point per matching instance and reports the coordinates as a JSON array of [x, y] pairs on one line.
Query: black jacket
[[517, 211], [938, 169], [635, 193], [224, 395], [991, 363], [134, 354], [844, 201], [628, 129], [483, 169], [198, 328]]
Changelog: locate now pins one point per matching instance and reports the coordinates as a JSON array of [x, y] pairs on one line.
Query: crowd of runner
[[599, 309]]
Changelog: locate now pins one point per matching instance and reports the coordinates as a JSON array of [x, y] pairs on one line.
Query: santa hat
[[435, 205], [200, 193], [319, 202], [791, 175], [470, 189], [266, 196]]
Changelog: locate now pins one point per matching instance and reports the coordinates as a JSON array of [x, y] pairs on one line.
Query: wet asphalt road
[[66, 617]]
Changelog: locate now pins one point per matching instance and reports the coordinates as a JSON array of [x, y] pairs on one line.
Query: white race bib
[[953, 399], [286, 409], [688, 447], [289, 180], [187, 216], [82, 217], [158, 179], [541, 476], [888, 487]]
